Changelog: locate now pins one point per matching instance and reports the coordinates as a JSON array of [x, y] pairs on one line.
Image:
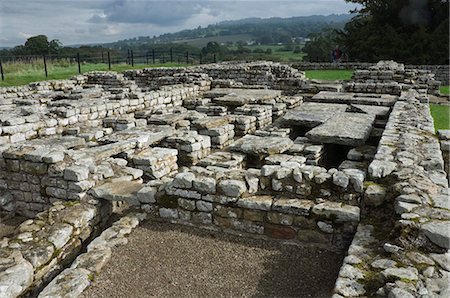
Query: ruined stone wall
[[400, 247], [262, 74], [43, 246], [441, 72], [47, 108], [288, 201]]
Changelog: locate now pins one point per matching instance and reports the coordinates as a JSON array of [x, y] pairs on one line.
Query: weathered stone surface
[[118, 191], [349, 288], [380, 169], [341, 212], [256, 202], [340, 179], [183, 180], [374, 194], [350, 129], [399, 293], [279, 232], [293, 206], [232, 188], [93, 260], [442, 259], [16, 278], [70, 283], [205, 185], [438, 232], [60, 234], [311, 114], [76, 173], [409, 273], [254, 145]]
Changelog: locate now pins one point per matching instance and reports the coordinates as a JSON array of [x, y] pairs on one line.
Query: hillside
[[258, 30]]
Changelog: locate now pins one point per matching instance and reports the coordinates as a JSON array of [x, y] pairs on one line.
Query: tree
[[38, 45], [415, 32], [321, 45]]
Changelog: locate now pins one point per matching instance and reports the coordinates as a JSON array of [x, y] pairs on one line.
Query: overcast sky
[[95, 21]]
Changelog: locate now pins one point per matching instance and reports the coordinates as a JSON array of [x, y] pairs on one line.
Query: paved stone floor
[[164, 260]]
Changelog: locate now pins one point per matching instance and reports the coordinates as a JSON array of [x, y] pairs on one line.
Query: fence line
[[131, 58]]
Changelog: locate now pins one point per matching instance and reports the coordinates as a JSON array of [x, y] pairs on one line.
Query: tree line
[[413, 32]]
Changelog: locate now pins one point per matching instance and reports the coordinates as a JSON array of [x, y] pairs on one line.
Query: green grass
[[16, 75], [445, 90], [329, 75], [441, 116]]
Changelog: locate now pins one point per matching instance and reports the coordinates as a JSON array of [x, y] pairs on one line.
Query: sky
[[98, 21]]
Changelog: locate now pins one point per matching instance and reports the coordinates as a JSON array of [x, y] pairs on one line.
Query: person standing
[[337, 54]]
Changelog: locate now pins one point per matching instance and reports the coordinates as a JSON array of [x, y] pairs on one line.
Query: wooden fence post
[[45, 66], [1, 70], [78, 62]]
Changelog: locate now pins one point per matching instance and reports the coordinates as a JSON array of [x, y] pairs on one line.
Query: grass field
[[445, 90], [21, 74], [329, 75], [441, 116]]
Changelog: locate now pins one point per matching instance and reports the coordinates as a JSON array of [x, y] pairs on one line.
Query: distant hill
[[258, 30]]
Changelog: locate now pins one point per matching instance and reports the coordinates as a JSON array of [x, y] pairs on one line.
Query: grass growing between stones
[[441, 116], [24, 73], [329, 75], [445, 90]]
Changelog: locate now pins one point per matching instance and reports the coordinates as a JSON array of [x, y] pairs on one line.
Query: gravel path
[[165, 260]]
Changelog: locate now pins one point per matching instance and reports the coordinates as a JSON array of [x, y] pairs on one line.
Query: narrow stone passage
[[165, 260]]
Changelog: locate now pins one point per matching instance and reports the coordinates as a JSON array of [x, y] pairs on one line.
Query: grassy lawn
[[445, 90], [441, 116], [329, 75], [22, 75]]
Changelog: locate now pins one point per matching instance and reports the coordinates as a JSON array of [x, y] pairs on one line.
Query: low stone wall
[[441, 72], [41, 115], [41, 172], [264, 74], [275, 201], [43, 246], [401, 246]]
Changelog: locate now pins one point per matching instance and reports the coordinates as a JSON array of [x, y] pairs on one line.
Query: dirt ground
[[165, 260]]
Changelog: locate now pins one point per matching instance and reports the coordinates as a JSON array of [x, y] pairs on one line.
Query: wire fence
[[110, 58]]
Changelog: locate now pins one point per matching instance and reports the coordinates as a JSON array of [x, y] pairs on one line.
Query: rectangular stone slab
[[350, 129], [311, 114], [240, 97], [355, 98], [254, 145]]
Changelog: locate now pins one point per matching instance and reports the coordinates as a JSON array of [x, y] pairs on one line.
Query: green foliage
[[441, 116], [445, 90], [38, 45], [262, 31], [414, 32], [320, 47], [329, 75]]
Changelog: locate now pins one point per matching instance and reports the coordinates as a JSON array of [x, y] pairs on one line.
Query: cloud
[[161, 13], [96, 21]]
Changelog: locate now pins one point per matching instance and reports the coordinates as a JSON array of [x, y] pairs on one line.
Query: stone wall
[[47, 108], [275, 201], [43, 246], [401, 246], [441, 71]]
